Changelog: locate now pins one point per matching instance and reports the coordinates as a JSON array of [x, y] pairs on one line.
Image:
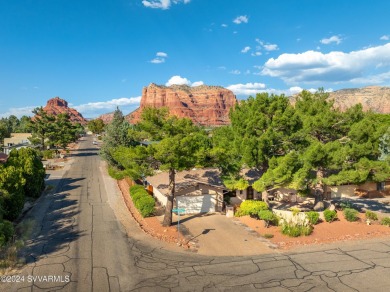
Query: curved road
[[80, 244]]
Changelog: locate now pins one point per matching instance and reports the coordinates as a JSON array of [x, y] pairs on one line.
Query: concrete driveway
[[217, 235]]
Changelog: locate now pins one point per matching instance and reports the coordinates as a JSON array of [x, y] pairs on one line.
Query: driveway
[[217, 235]]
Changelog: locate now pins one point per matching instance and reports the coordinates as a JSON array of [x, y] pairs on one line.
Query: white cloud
[[197, 83], [254, 88], [385, 38], [241, 19], [245, 50], [224, 25], [107, 105], [313, 66], [266, 46], [19, 112], [235, 72], [162, 4], [246, 89], [160, 58], [162, 54], [333, 39], [271, 47], [157, 60], [256, 54], [178, 80]]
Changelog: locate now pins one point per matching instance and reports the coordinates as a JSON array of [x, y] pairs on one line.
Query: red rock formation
[[57, 106], [204, 105], [107, 118]]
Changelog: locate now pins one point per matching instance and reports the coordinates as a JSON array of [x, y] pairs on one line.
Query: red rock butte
[[57, 106], [204, 105]]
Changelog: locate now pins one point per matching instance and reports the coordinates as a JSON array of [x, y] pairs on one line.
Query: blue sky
[[99, 54]]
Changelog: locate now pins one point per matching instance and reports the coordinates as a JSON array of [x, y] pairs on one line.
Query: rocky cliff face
[[57, 106], [373, 98], [107, 118], [204, 105]]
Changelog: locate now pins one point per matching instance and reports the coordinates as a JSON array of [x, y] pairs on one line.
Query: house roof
[[187, 179], [250, 174]]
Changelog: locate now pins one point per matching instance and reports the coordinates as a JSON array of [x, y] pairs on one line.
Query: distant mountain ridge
[[375, 98]]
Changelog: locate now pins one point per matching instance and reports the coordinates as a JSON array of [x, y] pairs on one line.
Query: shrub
[[142, 200], [351, 214], [116, 173], [330, 215], [296, 229], [48, 154], [386, 221], [6, 232], [251, 207], [136, 189], [145, 205], [313, 217], [371, 215], [269, 217], [268, 235]]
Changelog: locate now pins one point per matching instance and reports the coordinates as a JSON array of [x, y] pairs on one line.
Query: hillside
[[373, 98]]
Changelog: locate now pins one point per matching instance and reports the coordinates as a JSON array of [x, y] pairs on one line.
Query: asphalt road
[[80, 244]]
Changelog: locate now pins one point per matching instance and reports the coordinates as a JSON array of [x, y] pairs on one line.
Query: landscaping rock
[[332, 207], [320, 206]]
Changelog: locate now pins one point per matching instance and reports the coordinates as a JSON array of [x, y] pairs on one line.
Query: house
[[345, 191], [196, 190], [16, 141], [250, 175]]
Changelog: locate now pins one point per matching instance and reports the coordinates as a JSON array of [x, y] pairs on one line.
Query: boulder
[[320, 206]]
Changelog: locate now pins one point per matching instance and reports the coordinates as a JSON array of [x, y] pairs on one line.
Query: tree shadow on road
[[53, 231]]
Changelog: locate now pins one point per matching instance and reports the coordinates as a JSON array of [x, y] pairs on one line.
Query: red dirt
[[150, 225], [324, 232]]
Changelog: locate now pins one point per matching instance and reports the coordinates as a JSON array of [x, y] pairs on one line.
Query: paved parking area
[[217, 235]]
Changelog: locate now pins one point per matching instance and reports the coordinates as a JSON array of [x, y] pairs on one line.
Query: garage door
[[197, 204]]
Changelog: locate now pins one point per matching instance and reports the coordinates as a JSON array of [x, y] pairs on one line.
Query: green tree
[[180, 145], [42, 127], [11, 191], [116, 135], [264, 127], [28, 161], [65, 130], [96, 126]]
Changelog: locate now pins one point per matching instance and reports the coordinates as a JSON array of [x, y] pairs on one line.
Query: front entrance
[[249, 193]]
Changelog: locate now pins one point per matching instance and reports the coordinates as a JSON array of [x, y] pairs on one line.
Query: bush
[[313, 217], [330, 215], [269, 217], [145, 205], [351, 214], [251, 207], [296, 229], [386, 221], [371, 215], [116, 173], [268, 235], [47, 154], [142, 200], [6, 232]]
